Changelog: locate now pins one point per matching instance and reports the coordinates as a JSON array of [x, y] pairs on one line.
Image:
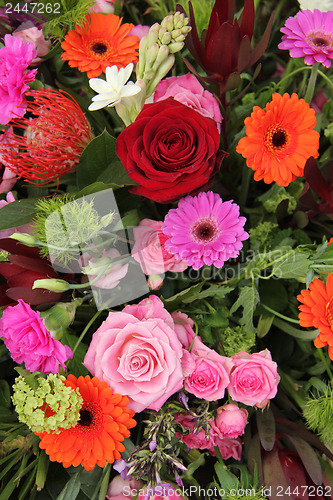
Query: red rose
[[170, 151]]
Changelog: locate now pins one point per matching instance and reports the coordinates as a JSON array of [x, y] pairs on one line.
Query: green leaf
[[294, 266], [72, 488], [228, 480], [17, 213], [172, 302], [266, 428], [4, 394], [326, 256], [248, 299], [96, 187], [309, 458], [75, 365], [212, 291], [99, 162]]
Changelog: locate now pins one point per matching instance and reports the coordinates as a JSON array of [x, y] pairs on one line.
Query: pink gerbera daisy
[[309, 35], [204, 230]]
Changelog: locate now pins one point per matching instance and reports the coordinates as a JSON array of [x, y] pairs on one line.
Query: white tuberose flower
[[322, 5], [111, 91]]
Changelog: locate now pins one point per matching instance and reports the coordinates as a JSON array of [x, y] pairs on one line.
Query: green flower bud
[[166, 38], [329, 132], [52, 284], [152, 36], [162, 56], [48, 406], [151, 55], [175, 47], [167, 23], [58, 318], [163, 70], [25, 238]]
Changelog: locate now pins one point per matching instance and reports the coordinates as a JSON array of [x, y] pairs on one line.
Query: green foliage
[[63, 15], [248, 300], [202, 11], [318, 412], [237, 339]]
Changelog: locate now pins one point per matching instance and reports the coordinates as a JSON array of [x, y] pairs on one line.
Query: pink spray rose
[[231, 420], [105, 6], [29, 33], [209, 377], [183, 328], [137, 353], [113, 271], [253, 378], [149, 249], [197, 440], [120, 489], [29, 341], [189, 91], [140, 30], [229, 448]]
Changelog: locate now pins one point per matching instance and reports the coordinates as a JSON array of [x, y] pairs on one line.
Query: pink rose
[[209, 378], [189, 91], [229, 448], [253, 378], [120, 489], [231, 420], [137, 353], [155, 281], [197, 440], [29, 341], [183, 328], [29, 33], [113, 271], [149, 249]]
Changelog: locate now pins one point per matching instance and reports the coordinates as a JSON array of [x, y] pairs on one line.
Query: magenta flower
[[29, 341], [309, 35], [204, 230], [15, 57]]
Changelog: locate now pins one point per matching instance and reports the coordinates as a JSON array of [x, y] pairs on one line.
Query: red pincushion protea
[[54, 137]]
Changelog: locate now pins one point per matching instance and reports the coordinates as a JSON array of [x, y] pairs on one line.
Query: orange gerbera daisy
[[100, 42], [279, 140], [96, 438], [317, 310]]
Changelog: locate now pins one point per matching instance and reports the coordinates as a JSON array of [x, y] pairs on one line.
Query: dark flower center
[[320, 39], [86, 418], [276, 139], [279, 139], [99, 48], [320, 42], [205, 230]]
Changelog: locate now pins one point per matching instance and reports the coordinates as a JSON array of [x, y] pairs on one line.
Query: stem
[[306, 68], [291, 320], [312, 83], [224, 122], [246, 177], [95, 316], [295, 332], [324, 360]]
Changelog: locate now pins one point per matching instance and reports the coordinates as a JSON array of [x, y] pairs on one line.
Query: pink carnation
[[29, 341], [137, 353], [15, 57], [253, 378], [197, 440], [150, 252], [209, 377], [189, 91], [231, 420]]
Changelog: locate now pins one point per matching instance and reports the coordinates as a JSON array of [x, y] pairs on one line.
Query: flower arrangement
[[166, 276]]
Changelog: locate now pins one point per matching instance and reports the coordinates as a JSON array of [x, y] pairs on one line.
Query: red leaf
[[247, 22], [262, 45]]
